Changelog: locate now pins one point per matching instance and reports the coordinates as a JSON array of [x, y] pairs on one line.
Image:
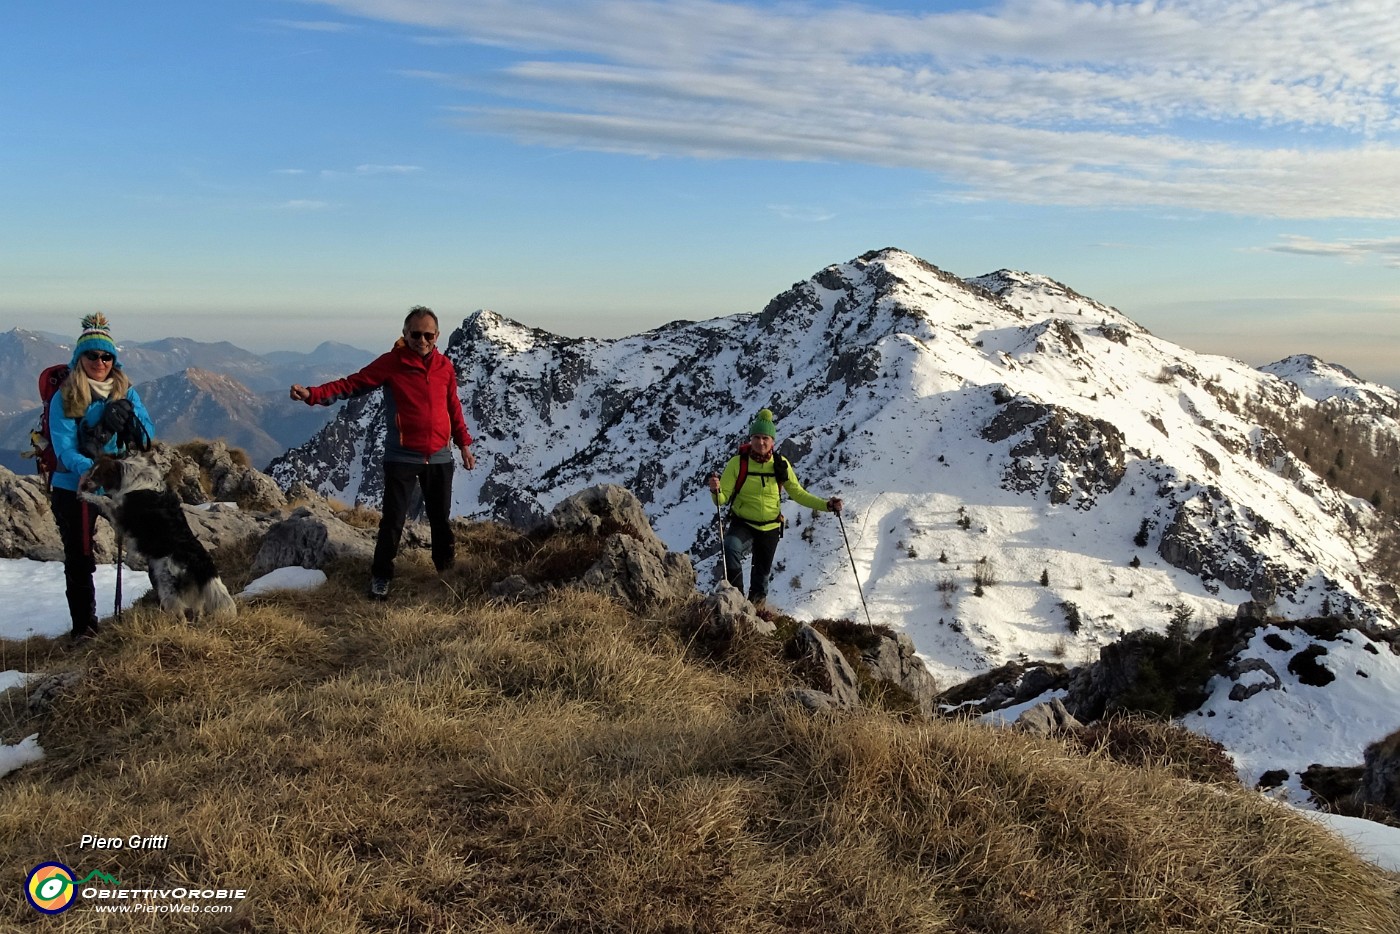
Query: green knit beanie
[[763, 424]]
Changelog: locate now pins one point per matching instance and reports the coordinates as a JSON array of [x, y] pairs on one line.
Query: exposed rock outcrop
[[1099, 689], [1048, 719], [27, 529], [730, 611], [827, 668], [893, 659], [214, 472], [635, 566], [1063, 451], [1380, 779], [641, 574], [1211, 537], [1252, 676], [310, 538], [1012, 683], [599, 510]]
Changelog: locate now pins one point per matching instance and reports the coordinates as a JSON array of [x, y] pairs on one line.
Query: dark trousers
[[399, 481], [739, 539], [77, 523]]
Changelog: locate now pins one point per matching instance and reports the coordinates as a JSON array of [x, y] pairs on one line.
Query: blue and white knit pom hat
[[97, 335]]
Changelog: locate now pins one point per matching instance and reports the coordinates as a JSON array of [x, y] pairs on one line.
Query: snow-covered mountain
[[1027, 472]]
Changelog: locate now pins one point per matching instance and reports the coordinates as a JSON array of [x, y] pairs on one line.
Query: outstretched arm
[[370, 378], [799, 495]]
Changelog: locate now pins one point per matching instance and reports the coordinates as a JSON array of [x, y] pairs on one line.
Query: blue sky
[[279, 172]]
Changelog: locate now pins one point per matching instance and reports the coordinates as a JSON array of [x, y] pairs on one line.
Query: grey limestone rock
[[310, 538], [731, 610], [829, 667], [1380, 779], [1047, 719], [893, 659]]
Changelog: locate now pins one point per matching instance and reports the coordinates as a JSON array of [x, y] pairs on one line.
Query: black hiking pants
[[400, 479], [77, 523], [739, 539]]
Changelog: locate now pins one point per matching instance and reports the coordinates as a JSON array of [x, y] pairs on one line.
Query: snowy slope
[[1006, 424], [1302, 699]]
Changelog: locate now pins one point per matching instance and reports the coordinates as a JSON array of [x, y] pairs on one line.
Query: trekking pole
[[719, 521], [117, 609], [854, 572]]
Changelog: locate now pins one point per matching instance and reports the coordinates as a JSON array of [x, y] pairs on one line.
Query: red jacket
[[421, 404]]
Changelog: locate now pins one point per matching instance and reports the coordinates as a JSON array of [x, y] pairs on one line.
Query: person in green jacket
[[755, 518]]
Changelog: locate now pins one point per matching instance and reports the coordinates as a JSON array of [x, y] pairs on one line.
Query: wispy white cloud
[[370, 169], [388, 169], [289, 171], [1387, 250], [806, 215], [1288, 108], [304, 204], [312, 25]]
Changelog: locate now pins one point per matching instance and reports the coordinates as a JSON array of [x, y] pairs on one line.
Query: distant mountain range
[[1028, 472], [192, 389]]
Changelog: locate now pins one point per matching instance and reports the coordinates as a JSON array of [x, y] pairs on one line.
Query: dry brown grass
[[359, 517], [1143, 741], [197, 449], [446, 763]]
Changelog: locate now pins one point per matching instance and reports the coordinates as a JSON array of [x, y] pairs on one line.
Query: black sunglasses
[[97, 356], [423, 335]]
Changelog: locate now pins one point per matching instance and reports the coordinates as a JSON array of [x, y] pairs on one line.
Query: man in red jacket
[[424, 414]]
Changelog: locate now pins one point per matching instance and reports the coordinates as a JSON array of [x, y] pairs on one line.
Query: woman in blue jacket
[[95, 411]]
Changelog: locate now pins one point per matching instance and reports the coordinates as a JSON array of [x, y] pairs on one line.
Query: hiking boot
[[378, 588], [85, 632]]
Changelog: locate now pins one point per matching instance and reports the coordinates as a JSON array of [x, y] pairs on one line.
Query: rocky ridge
[[1004, 417], [229, 504]]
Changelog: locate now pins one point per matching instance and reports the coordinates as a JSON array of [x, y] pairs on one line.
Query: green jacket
[[759, 501]]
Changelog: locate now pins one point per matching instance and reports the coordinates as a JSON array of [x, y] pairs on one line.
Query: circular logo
[[50, 888]]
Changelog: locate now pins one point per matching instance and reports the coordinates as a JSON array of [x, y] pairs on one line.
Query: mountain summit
[[1027, 471]]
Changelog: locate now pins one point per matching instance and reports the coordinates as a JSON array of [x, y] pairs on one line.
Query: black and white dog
[[149, 516]]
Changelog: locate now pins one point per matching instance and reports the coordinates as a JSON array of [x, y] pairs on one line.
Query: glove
[[92, 439], [117, 414]]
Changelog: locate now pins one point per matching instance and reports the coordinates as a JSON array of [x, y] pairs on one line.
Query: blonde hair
[[77, 394]]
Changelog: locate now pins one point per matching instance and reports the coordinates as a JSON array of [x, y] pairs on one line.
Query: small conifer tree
[[1140, 539], [1073, 622], [1179, 626]]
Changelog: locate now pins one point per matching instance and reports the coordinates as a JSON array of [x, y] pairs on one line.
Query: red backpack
[[41, 449], [780, 469]]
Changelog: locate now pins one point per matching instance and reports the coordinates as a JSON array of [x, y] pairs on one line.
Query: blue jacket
[[63, 433]]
